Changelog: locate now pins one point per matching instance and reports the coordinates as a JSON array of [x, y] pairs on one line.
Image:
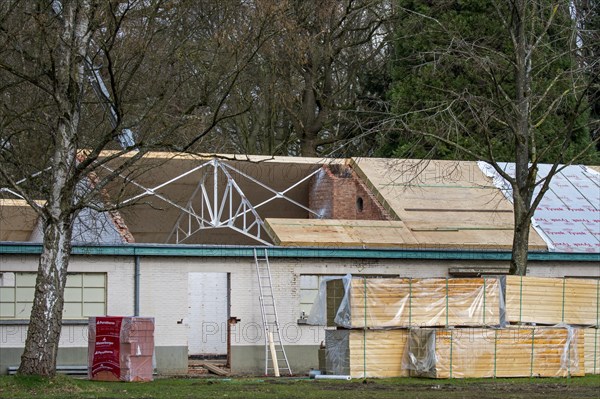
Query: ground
[[66, 387]]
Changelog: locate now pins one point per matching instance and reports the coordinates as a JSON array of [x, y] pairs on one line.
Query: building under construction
[[222, 251]]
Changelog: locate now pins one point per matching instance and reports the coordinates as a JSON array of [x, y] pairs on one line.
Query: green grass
[[66, 387]]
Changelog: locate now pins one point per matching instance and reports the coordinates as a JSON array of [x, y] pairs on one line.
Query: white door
[[207, 313]]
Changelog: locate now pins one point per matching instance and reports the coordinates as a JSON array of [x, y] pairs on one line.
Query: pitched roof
[[432, 204], [568, 216]]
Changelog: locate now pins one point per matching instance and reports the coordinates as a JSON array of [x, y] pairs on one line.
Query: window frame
[[92, 286]]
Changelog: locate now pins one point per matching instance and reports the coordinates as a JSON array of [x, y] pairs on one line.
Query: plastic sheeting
[[358, 302], [121, 348], [556, 351], [322, 307], [372, 310], [592, 350], [567, 218], [484, 353], [354, 302], [366, 353], [337, 352], [551, 301]]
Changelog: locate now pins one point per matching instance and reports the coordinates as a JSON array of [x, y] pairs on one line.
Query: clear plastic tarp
[[556, 351], [358, 302], [483, 334], [366, 353], [328, 299], [484, 353]]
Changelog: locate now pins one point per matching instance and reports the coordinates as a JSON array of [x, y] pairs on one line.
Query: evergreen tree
[[588, 14], [495, 81], [453, 68]]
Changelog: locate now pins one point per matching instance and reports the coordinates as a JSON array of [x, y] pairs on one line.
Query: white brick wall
[[164, 287], [163, 295], [120, 283]]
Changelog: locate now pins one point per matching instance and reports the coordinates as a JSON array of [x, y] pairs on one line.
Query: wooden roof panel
[[387, 234], [340, 233], [443, 203]]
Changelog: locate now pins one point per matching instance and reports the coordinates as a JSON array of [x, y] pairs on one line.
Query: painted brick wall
[[119, 295], [338, 193], [164, 289]]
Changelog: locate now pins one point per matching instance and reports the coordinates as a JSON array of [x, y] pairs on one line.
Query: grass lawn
[[66, 387]]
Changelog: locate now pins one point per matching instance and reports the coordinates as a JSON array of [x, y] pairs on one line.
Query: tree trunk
[[520, 249], [41, 346], [311, 118], [308, 147], [522, 185]]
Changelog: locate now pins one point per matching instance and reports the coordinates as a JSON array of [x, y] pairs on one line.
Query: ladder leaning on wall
[[274, 349]]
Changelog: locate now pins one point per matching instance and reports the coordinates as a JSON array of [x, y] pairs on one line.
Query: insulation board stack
[[376, 309], [121, 348], [366, 353], [481, 353], [404, 302], [592, 350], [552, 300]]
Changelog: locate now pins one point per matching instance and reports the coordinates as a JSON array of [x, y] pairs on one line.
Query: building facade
[[155, 281]]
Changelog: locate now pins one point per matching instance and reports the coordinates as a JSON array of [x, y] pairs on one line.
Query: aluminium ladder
[[274, 349]]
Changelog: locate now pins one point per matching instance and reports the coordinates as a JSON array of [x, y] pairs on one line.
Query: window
[[85, 295], [309, 289]]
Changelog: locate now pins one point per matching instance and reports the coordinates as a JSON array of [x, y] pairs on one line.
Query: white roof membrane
[[568, 217]]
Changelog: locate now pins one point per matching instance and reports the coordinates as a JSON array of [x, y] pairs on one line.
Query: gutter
[[138, 250]]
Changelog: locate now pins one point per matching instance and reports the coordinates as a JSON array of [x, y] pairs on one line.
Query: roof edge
[[7, 248]]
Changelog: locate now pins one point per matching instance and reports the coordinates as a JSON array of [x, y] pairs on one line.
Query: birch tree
[[54, 124], [515, 92]]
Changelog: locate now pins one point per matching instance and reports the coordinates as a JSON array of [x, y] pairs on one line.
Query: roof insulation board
[[377, 234], [341, 233], [443, 203]]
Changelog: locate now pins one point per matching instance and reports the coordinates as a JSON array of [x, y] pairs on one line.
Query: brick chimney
[[336, 192]]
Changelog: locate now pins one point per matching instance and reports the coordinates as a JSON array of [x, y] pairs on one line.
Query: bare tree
[[160, 69], [310, 74], [521, 98]]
